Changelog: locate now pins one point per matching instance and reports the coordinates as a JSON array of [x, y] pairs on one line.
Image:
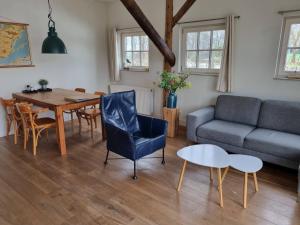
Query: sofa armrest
[[196, 119], [299, 184]]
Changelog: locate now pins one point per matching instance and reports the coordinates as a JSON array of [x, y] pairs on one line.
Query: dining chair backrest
[[80, 90], [8, 105], [100, 93], [25, 111]]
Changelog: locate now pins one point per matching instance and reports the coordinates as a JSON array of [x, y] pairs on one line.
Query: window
[[288, 62], [135, 51], [202, 49]]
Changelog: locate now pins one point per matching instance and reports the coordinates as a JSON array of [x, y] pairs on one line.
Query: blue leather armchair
[[131, 135]]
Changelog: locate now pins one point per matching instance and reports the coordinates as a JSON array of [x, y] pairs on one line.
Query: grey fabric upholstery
[[263, 156], [268, 130], [226, 132], [275, 143], [238, 109], [196, 119], [280, 115]]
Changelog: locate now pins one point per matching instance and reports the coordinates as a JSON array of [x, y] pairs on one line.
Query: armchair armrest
[[151, 126], [196, 119]]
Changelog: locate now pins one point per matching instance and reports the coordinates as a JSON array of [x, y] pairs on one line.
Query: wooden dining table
[[59, 100]]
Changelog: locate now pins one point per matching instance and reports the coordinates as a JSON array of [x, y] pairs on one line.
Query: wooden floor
[[79, 190]]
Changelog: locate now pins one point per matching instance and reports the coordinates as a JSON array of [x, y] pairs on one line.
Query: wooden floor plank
[[79, 190]]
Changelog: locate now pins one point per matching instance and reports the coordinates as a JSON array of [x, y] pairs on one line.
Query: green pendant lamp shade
[[53, 44]]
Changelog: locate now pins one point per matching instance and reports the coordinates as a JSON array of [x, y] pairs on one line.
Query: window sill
[[135, 69], [287, 78]]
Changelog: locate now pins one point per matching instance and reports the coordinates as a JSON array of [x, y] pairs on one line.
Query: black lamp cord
[[51, 22]]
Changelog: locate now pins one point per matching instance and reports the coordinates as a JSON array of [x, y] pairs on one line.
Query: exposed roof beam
[[147, 27], [186, 6]]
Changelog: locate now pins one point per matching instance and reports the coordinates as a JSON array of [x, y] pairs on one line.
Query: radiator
[[144, 97]]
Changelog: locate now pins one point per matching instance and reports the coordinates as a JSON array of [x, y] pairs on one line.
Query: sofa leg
[[163, 157], [134, 170], [105, 162]]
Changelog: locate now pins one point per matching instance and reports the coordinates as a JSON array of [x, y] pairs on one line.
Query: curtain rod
[[205, 20], [288, 11], [129, 28]]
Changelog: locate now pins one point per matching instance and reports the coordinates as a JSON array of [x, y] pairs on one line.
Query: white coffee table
[[246, 164], [205, 155]]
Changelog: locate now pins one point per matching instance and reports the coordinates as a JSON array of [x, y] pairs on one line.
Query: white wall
[[82, 26], [258, 32]]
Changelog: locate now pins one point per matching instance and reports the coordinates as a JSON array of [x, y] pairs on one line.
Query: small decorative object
[[172, 82], [14, 45], [53, 44], [43, 84], [29, 90]]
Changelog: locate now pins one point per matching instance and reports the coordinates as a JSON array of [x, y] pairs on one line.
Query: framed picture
[[14, 45]]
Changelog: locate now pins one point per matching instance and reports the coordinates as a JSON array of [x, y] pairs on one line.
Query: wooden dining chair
[[90, 115], [32, 123], [72, 111], [12, 117]]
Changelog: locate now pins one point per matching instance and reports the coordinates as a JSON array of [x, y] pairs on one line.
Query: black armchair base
[[134, 177]]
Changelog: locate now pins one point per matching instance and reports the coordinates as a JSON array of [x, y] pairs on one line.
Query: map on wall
[[14, 45]]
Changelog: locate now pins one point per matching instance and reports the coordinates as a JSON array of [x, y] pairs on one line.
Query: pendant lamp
[[53, 44]]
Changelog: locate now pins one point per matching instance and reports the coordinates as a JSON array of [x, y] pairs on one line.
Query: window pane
[[218, 39], [191, 41], [128, 46], [204, 40], [128, 59], [136, 43], [216, 59], [203, 61], [145, 59], [292, 62], [294, 39], [144, 43], [136, 59], [191, 59]]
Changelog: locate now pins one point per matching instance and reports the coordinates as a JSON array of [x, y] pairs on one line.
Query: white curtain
[[114, 59], [225, 77]]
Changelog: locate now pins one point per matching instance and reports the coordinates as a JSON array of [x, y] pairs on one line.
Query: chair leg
[[134, 170], [15, 132], [79, 121], [92, 128], [163, 157], [105, 162], [8, 125], [72, 119], [95, 120]]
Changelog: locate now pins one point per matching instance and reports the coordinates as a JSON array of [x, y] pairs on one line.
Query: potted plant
[[171, 82], [43, 84]]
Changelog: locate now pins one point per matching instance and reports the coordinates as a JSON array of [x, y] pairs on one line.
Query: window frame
[[280, 72], [132, 32], [199, 27]]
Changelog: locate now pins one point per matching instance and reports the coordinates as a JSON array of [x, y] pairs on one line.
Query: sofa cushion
[[275, 143], [280, 115], [224, 131], [238, 109]]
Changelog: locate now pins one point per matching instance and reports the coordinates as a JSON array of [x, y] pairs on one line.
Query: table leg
[[220, 187], [245, 190], [225, 173], [181, 175], [60, 130], [211, 174], [255, 182]]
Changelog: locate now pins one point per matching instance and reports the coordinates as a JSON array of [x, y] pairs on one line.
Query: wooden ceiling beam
[[185, 7], [147, 27]]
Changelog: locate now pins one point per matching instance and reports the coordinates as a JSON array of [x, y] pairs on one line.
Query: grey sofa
[[268, 129]]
